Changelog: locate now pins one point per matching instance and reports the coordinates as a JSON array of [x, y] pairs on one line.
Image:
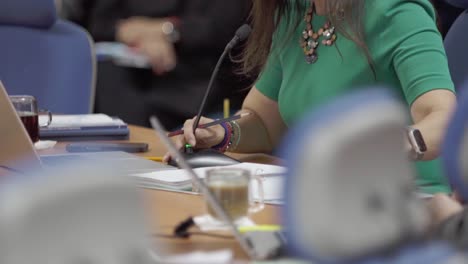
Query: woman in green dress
[[310, 51]]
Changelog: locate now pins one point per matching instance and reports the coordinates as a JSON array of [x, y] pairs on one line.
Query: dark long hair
[[345, 15]]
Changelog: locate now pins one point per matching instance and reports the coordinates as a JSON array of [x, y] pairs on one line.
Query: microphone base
[[206, 158]]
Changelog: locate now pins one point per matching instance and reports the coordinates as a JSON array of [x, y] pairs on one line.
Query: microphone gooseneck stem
[[210, 84]]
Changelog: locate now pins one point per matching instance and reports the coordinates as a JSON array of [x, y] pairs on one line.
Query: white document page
[[272, 177]]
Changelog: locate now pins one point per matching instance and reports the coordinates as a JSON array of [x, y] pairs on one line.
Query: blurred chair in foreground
[[79, 213], [350, 196], [455, 156], [456, 45], [46, 57], [455, 146]]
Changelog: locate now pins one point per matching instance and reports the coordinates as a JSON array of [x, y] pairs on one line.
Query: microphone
[[241, 34]]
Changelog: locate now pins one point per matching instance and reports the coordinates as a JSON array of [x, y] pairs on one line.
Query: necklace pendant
[[310, 40], [329, 33], [312, 44], [311, 59]]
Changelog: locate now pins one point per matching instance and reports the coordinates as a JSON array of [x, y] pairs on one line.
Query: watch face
[[420, 140]]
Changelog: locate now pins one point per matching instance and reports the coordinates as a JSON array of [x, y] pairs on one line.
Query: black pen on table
[[214, 123]]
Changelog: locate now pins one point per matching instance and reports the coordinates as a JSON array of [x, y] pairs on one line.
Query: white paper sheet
[[199, 257], [272, 178], [80, 120]]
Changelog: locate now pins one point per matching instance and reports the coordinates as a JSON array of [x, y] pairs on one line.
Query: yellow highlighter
[[259, 228], [227, 108], [157, 159]]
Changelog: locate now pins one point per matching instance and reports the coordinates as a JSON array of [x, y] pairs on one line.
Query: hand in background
[[442, 207], [204, 138], [133, 30], [160, 52]]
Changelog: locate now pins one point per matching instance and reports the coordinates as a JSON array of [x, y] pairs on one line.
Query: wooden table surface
[[167, 209]]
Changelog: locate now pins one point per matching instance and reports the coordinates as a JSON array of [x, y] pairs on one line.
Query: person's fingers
[[203, 137], [442, 207], [457, 197], [162, 59], [179, 142], [158, 62], [170, 59], [204, 120], [166, 57], [154, 54], [188, 132], [169, 63], [121, 33], [161, 54], [166, 157], [203, 133], [128, 33]]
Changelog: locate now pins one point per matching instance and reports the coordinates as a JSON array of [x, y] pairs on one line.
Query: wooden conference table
[[167, 209]]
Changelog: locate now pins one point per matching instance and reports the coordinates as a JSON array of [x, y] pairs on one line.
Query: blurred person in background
[[182, 39]]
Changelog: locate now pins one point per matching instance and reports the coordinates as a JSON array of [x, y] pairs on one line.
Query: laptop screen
[[17, 149]]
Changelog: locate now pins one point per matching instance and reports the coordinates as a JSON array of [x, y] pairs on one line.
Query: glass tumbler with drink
[[233, 189], [26, 108]]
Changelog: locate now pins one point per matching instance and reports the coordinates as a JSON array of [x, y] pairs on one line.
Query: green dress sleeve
[[270, 79], [408, 29]]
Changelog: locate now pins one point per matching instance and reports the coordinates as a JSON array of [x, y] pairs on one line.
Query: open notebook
[[273, 179]]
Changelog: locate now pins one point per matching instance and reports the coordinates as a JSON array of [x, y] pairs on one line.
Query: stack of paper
[[272, 179], [90, 126]]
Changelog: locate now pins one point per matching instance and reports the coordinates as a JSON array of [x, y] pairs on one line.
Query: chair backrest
[[349, 189], [456, 43], [455, 146], [78, 213], [46, 57], [458, 3]]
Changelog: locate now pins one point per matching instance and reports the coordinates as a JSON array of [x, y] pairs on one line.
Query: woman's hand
[[131, 31], [145, 34], [160, 52], [442, 207], [203, 137]]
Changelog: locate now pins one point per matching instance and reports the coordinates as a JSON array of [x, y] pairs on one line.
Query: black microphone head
[[243, 32]]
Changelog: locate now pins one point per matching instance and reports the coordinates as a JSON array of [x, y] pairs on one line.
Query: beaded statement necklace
[[310, 39]]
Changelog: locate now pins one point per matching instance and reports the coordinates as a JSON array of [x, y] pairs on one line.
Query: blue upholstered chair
[[46, 57], [349, 195], [456, 43], [455, 146]]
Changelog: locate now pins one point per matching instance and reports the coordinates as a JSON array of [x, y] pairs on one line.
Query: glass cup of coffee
[[26, 108], [233, 188]]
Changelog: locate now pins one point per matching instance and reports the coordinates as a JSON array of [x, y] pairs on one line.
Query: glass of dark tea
[[233, 188], [26, 108]]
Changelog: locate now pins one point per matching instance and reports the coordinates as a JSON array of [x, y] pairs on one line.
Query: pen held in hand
[[210, 124]]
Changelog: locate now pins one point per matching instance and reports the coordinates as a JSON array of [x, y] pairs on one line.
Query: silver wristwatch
[[418, 145], [169, 30]]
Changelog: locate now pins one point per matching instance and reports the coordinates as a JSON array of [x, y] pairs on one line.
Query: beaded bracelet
[[236, 136], [223, 146]]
